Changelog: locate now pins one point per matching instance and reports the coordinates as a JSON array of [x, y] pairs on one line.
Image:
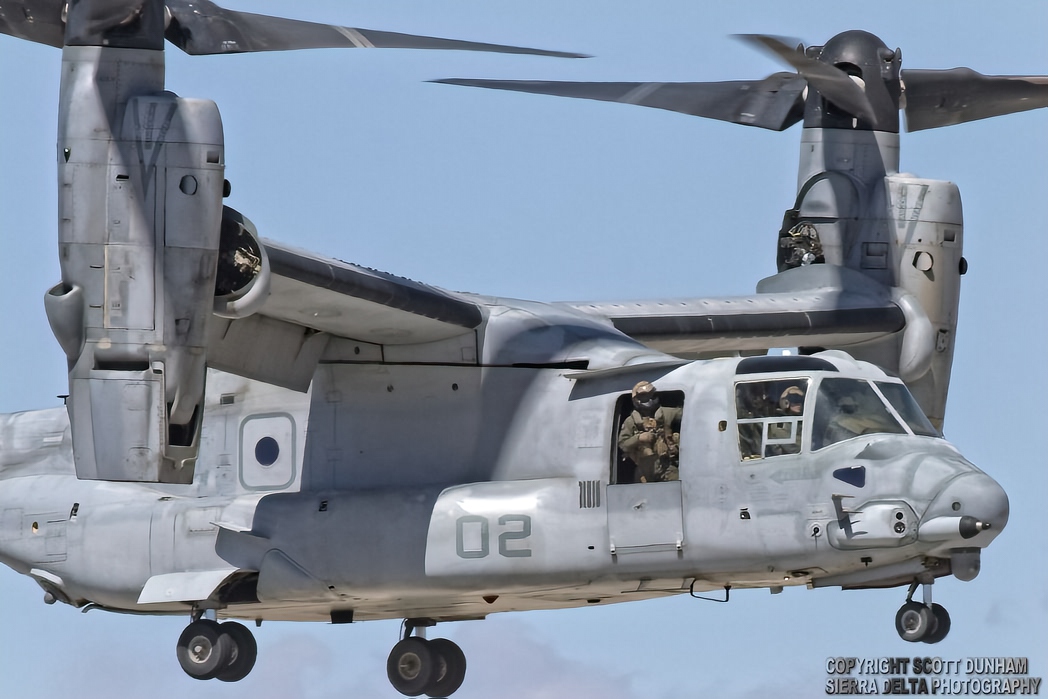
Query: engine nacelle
[[855, 210], [927, 248], [141, 178]]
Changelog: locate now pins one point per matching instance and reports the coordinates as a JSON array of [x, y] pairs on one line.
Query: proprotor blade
[[773, 103], [831, 82], [123, 24], [113, 23], [937, 98], [34, 20], [200, 27]]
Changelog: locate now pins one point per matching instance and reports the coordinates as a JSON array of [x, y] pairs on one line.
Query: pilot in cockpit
[[792, 401], [791, 404], [846, 422]]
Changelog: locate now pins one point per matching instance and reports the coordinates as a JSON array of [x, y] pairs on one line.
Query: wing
[[820, 305], [314, 299]]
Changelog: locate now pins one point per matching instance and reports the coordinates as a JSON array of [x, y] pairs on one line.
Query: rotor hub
[[870, 63]]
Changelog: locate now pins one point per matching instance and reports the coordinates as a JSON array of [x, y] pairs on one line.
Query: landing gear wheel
[[942, 624], [914, 621], [450, 668], [243, 651], [411, 666], [203, 649]]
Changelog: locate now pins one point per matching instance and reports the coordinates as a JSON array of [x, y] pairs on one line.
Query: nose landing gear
[[926, 622], [209, 650], [418, 666]]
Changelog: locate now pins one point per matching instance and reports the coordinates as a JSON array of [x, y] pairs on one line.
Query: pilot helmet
[[791, 396], [645, 399]]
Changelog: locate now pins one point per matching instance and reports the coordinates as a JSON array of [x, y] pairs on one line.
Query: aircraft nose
[[970, 511]]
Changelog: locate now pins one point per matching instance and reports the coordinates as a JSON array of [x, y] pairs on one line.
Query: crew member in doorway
[[650, 436]]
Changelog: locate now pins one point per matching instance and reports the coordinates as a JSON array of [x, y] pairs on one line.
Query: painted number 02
[[473, 536]]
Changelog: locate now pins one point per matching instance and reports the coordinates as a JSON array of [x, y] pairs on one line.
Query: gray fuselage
[[403, 490]]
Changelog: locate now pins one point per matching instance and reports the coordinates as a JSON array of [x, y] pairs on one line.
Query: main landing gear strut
[[209, 650], [417, 666], [226, 652], [917, 621]]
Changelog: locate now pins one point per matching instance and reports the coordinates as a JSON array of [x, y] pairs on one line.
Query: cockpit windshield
[[902, 400], [847, 408]]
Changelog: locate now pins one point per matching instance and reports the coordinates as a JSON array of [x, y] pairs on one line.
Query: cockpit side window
[[770, 417], [903, 402], [847, 408]]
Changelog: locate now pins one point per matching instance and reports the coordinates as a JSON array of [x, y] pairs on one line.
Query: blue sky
[[352, 154]]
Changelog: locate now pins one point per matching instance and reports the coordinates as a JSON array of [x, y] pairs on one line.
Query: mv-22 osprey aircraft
[[253, 432]]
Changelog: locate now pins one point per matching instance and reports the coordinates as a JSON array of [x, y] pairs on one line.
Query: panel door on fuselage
[[645, 500]]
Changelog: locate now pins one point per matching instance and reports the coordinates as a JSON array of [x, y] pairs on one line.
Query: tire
[[410, 667], [243, 652], [449, 668], [914, 621], [203, 650], [942, 625]]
